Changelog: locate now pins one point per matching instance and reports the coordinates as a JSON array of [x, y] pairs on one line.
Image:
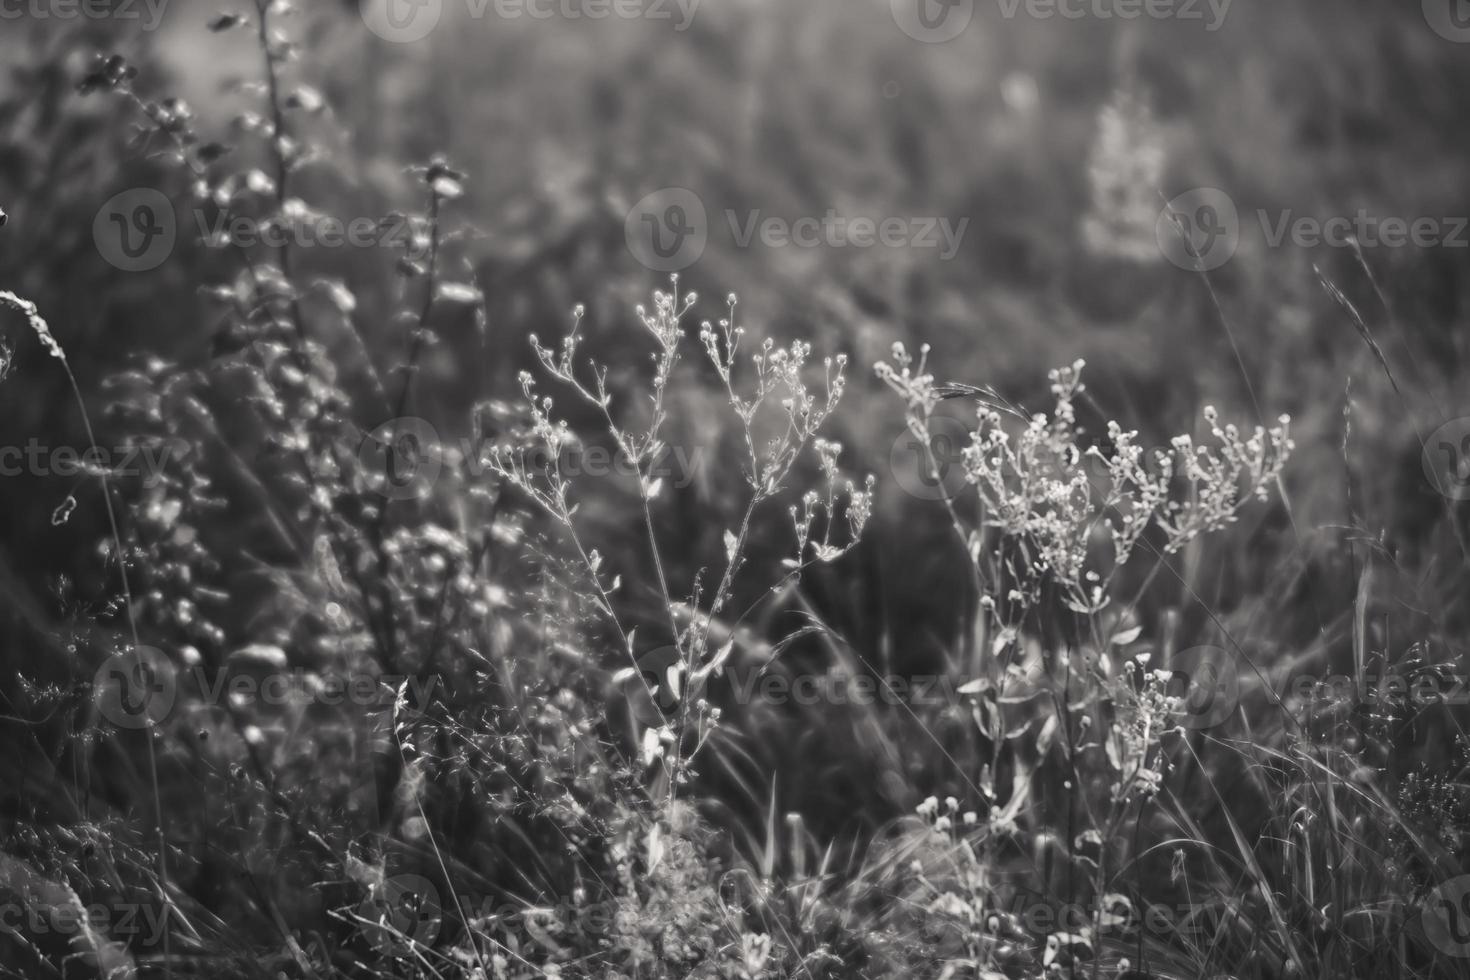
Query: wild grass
[[568, 761]]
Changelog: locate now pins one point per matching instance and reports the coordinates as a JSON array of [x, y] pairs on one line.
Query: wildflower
[[1176, 866], [1063, 949], [1127, 163], [28, 309], [756, 950], [63, 511], [1034, 486], [651, 748]]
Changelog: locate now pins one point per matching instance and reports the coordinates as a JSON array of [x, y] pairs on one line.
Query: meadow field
[[955, 489]]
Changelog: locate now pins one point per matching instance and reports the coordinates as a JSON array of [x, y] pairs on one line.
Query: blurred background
[[1048, 136], [1046, 139]]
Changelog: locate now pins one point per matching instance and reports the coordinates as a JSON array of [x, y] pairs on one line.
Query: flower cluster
[[858, 509], [1044, 488], [1126, 164], [780, 414], [1144, 712], [42, 330]]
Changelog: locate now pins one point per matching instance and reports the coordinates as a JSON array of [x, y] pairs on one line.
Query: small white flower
[[28, 309]]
